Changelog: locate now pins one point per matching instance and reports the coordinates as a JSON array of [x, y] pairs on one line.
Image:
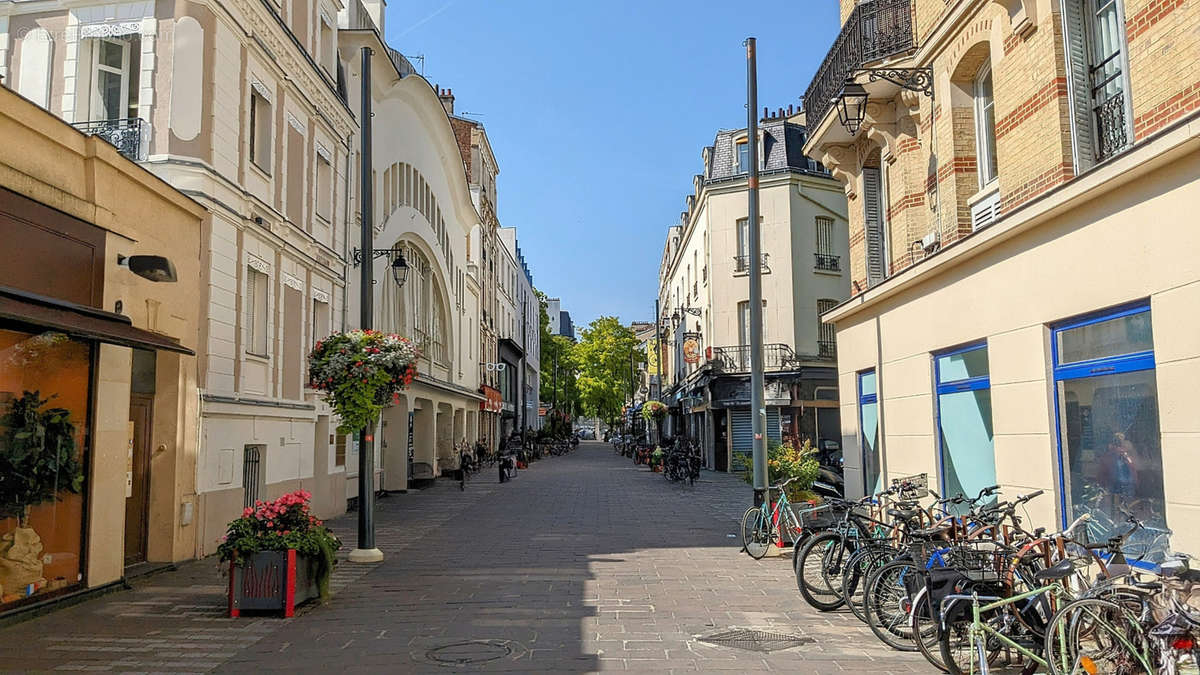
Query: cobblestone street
[[583, 563]]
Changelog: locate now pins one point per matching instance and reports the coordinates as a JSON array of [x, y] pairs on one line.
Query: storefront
[[97, 388]]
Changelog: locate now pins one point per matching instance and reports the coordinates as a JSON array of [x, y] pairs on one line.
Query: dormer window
[[743, 155]]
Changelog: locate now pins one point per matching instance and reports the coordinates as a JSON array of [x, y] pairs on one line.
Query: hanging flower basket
[[654, 411], [361, 371]]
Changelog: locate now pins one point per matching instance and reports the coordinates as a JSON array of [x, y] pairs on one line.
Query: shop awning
[[79, 321]]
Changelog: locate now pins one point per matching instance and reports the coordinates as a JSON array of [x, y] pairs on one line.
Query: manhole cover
[[756, 640], [464, 653]]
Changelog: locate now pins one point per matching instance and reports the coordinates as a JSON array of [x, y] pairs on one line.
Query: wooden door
[[137, 479]]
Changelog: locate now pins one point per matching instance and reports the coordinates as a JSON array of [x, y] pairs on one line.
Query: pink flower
[[270, 523]]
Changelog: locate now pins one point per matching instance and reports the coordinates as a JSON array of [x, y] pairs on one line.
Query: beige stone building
[[237, 104], [1024, 269], [704, 296], [88, 337]]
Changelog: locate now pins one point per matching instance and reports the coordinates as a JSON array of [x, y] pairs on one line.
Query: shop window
[[868, 419], [966, 460], [1110, 452], [44, 392], [260, 131], [257, 287]]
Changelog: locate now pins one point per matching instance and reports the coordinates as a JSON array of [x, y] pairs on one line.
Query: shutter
[[742, 429], [985, 211], [873, 225], [774, 427], [1074, 19]]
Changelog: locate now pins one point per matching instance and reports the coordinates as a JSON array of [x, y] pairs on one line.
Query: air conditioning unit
[[985, 211]]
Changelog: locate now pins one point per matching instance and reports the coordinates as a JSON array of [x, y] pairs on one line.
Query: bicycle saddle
[[1059, 570], [931, 532], [903, 514]]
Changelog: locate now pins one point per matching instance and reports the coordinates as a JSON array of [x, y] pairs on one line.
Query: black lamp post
[[851, 106]]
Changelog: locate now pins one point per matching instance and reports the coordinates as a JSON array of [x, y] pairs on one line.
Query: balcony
[[827, 349], [131, 137], [875, 30], [741, 264], [828, 263], [736, 359]]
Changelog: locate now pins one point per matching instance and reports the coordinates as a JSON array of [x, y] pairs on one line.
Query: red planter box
[[271, 581]]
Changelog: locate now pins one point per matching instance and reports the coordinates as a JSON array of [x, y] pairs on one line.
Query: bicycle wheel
[[756, 533], [1094, 636], [859, 567], [887, 605], [958, 654], [924, 623], [820, 568]]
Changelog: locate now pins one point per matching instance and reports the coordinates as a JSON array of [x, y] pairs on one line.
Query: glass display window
[[45, 380], [967, 460]]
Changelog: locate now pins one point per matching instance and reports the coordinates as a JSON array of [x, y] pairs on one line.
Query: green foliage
[[786, 461], [38, 458], [283, 524], [607, 355], [361, 371], [654, 411]]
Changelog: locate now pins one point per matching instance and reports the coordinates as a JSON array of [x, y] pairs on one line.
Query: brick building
[[1023, 286]]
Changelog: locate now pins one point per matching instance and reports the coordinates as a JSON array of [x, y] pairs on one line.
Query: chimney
[[446, 96], [766, 113], [789, 110]]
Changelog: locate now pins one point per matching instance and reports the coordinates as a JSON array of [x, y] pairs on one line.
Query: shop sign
[[691, 350]]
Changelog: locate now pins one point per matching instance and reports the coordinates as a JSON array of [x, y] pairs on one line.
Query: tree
[[606, 355]]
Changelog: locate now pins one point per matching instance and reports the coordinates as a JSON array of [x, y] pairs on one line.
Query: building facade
[[1023, 283], [98, 373], [524, 332], [238, 105], [704, 289]]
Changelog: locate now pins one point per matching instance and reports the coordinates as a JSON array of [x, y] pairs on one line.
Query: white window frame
[[983, 155], [122, 72]]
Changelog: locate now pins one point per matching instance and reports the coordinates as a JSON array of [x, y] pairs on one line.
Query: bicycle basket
[[981, 561], [816, 517]]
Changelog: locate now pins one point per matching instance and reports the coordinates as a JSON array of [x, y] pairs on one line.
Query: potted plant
[[361, 371], [280, 555], [38, 460], [655, 412], [792, 460]]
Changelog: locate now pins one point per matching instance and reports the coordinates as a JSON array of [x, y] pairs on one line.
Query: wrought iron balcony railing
[[828, 263], [736, 358], [131, 137], [827, 349], [875, 30], [741, 263]]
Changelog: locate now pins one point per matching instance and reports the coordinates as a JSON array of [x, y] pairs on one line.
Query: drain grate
[[466, 653], [756, 640]]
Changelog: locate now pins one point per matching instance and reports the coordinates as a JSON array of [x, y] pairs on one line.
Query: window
[[257, 287], [826, 332], [114, 91], [873, 225], [868, 419], [320, 320], [1110, 452], [1094, 32], [826, 259], [260, 131], [744, 322], [985, 125], [966, 460], [328, 48], [324, 188], [251, 473], [339, 450], [743, 155]]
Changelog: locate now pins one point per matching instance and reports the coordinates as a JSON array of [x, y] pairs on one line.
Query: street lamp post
[[366, 552], [758, 410]]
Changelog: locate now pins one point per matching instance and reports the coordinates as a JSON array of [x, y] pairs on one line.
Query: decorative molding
[[296, 123], [258, 265], [320, 296], [323, 152], [292, 282], [110, 29], [263, 91]]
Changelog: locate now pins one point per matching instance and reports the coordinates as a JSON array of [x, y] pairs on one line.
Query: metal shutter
[[873, 225], [1078, 83], [742, 429]]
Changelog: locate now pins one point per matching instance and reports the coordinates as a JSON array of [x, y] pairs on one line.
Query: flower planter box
[[272, 581]]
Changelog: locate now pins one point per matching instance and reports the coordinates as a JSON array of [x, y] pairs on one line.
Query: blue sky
[[597, 112]]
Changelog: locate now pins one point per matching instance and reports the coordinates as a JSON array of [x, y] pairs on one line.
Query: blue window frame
[[1106, 417], [966, 456], [868, 419]]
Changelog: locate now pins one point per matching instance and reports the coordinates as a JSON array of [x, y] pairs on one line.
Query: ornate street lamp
[[395, 258], [851, 106]]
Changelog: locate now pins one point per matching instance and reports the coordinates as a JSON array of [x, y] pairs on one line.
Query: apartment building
[[704, 295], [237, 104], [524, 333], [1024, 274]]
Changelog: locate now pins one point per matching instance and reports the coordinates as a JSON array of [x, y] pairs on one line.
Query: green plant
[[654, 411], [360, 372], [286, 523], [784, 461], [38, 458]]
